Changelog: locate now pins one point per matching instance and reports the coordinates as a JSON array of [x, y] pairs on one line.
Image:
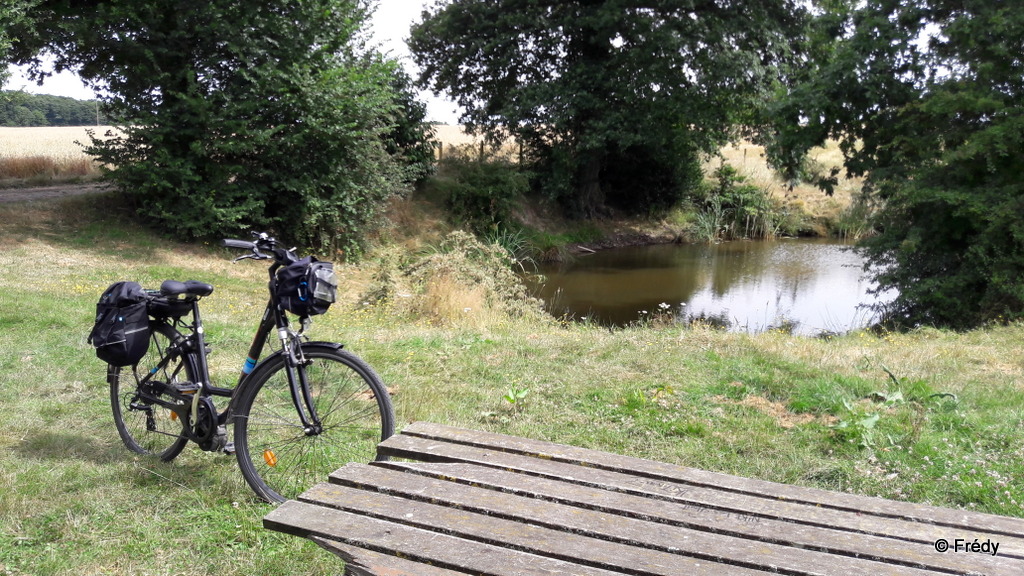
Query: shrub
[[274, 116], [480, 192], [734, 209], [461, 280]]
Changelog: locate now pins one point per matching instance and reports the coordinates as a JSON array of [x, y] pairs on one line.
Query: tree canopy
[[13, 14], [239, 114], [926, 98], [616, 99]]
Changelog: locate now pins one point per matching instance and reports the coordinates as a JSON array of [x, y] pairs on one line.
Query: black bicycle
[[298, 414]]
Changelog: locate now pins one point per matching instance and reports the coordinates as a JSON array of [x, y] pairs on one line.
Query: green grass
[[946, 428]]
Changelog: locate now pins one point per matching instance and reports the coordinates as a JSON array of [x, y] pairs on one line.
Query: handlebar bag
[[307, 287], [120, 333]]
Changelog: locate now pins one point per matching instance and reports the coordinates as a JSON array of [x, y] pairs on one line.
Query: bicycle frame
[[194, 345]]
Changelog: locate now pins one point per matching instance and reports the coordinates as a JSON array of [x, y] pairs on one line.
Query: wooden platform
[[485, 504]]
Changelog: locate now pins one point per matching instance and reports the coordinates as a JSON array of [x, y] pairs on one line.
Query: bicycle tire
[[147, 428], [277, 458]]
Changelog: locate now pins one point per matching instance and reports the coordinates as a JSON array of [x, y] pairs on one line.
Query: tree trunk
[[589, 195]]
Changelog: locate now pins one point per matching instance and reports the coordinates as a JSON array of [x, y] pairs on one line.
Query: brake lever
[[254, 256]]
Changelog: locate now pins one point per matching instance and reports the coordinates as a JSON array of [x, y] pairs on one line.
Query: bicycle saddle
[[189, 287]]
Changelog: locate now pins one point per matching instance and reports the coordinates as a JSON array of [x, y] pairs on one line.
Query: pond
[[809, 285]]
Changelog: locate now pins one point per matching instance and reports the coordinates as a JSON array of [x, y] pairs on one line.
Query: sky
[[390, 26]]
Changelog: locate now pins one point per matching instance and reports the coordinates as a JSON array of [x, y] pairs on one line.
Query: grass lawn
[[929, 416]]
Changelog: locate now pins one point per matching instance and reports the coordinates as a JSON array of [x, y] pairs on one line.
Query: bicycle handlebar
[[243, 244], [263, 248]]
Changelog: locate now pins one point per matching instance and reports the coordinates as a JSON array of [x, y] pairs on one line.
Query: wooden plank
[[360, 562], [610, 526], [420, 545], [658, 470], [831, 540], [697, 497], [493, 505], [537, 541]]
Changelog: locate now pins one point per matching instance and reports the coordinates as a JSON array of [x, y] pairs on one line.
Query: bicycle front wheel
[[278, 456], [146, 427]]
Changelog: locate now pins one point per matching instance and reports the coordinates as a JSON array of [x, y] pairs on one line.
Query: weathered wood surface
[[471, 502], [362, 562]]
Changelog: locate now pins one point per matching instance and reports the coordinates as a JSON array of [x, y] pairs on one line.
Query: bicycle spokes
[[282, 455]]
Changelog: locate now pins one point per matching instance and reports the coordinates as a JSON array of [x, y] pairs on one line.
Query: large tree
[[237, 114], [618, 98], [926, 98]]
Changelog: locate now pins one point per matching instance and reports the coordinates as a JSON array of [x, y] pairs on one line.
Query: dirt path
[[47, 192]]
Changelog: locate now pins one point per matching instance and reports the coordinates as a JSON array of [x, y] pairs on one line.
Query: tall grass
[[734, 209], [42, 168], [749, 160], [854, 221]]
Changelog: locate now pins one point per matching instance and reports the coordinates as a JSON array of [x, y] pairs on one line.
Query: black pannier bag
[[307, 287], [121, 331]]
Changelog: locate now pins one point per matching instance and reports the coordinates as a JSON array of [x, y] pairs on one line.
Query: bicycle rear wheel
[[145, 427], [278, 457]]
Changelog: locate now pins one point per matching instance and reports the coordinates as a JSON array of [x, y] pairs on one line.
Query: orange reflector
[[174, 415], [270, 458]]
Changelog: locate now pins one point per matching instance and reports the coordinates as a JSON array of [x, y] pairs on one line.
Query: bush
[[274, 117], [953, 255], [460, 281], [643, 180], [480, 192], [733, 209]]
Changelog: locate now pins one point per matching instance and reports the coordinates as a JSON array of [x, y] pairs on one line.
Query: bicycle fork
[[298, 382]]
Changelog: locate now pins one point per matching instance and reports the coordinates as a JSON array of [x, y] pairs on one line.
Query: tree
[[926, 98], [411, 138], [237, 114], [22, 109], [13, 14], [616, 99]]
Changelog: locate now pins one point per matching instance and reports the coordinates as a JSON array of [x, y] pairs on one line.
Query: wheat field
[[52, 152], [55, 142], [39, 155]]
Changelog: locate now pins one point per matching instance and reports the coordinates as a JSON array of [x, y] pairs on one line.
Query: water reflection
[[818, 285]]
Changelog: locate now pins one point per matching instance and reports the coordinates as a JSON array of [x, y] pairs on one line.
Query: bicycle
[[298, 414]]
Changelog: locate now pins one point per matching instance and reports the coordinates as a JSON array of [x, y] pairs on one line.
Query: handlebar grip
[[243, 244]]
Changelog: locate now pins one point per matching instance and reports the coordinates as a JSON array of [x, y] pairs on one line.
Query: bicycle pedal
[[229, 448], [187, 387]]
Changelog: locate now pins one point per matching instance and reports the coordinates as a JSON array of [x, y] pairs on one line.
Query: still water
[[812, 285]]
